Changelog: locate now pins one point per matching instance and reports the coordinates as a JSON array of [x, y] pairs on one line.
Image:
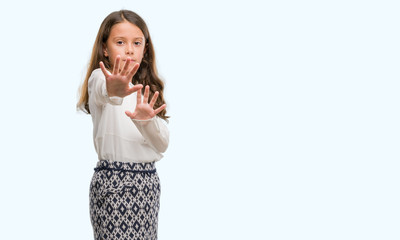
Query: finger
[[146, 94], [158, 110], [133, 70], [126, 66], [154, 99], [139, 97], [129, 114], [116, 65], [135, 88], [104, 70]]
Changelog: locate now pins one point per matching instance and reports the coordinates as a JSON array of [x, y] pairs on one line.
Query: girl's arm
[[150, 126], [155, 132]]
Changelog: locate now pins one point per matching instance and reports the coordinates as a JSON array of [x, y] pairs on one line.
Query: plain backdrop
[[284, 118]]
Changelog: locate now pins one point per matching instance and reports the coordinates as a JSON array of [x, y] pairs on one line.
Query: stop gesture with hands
[[117, 84], [145, 110], [118, 81]]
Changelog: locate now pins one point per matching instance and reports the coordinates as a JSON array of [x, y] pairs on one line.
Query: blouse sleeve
[[155, 132], [98, 91]]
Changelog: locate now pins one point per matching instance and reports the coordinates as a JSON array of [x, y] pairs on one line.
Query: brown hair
[[147, 72]]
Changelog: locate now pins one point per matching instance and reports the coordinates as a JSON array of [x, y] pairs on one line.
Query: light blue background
[[285, 118]]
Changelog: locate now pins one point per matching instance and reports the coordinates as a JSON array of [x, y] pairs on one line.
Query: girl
[[125, 188]]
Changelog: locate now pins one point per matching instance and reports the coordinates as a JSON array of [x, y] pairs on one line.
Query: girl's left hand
[[144, 110]]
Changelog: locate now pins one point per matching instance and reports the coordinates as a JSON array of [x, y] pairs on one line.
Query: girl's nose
[[129, 49]]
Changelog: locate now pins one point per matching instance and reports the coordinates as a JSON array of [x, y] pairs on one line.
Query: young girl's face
[[126, 40]]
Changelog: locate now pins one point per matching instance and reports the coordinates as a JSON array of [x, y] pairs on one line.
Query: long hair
[[147, 73]]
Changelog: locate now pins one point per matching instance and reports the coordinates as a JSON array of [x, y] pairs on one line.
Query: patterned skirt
[[124, 201]]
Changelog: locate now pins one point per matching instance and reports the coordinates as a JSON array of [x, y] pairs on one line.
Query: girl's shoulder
[[96, 76], [97, 73]]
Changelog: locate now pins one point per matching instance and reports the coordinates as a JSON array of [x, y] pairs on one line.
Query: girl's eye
[[138, 43], [120, 42]]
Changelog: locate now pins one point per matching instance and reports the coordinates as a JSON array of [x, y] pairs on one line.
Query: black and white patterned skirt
[[124, 201]]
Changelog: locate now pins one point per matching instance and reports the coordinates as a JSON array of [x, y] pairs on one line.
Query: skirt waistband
[[125, 166]]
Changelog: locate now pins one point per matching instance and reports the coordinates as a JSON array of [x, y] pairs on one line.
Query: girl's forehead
[[126, 29]]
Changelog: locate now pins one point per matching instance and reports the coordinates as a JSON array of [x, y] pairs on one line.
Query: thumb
[[129, 114], [134, 89]]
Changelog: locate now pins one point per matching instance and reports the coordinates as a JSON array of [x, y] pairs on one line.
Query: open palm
[[118, 81], [145, 110]]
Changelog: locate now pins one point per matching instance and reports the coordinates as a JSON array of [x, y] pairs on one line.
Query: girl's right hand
[[118, 82]]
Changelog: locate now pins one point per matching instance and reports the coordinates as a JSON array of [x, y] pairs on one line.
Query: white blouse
[[115, 137]]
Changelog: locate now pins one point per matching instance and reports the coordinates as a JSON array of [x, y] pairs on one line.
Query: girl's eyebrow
[[141, 38]]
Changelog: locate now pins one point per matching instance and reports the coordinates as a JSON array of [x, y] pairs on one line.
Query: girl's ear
[[105, 52]]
